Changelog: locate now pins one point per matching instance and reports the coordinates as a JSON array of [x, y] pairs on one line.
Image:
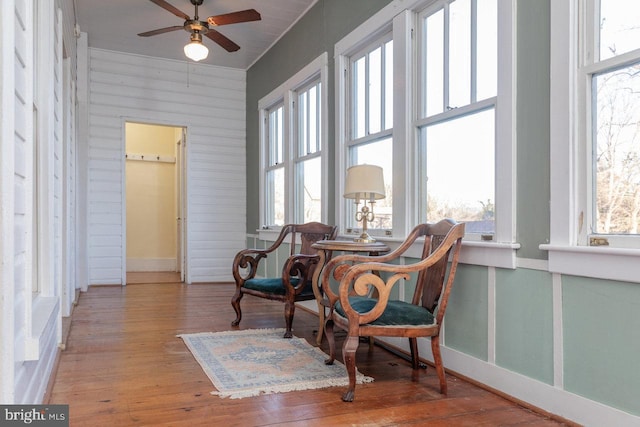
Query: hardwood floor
[[137, 277], [124, 366]]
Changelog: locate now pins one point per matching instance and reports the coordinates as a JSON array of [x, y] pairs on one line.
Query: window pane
[[303, 123], [388, 85], [359, 107], [459, 53], [378, 153], [309, 121], [458, 171], [275, 197], [314, 142], [276, 136], [619, 29], [434, 63], [617, 162], [309, 190], [487, 61], [375, 90]]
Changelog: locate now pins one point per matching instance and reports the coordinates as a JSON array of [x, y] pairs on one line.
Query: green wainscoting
[[602, 341], [466, 318], [524, 322]]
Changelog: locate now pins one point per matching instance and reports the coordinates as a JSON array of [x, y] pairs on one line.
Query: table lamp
[[364, 182]]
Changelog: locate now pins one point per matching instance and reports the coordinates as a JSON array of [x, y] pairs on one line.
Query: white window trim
[[287, 91], [40, 309], [568, 165], [402, 15]]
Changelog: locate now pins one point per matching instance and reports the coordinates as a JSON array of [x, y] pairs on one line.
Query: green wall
[[524, 323], [602, 341], [466, 319], [532, 127]]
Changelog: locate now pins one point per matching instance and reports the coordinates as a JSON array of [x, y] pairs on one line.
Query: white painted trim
[[558, 334], [506, 142], [491, 315], [532, 264], [490, 254], [594, 261], [7, 200], [44, 309], [152, 264]]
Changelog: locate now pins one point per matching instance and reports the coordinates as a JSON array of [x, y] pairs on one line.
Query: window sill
[[489, 254], [594, 261]]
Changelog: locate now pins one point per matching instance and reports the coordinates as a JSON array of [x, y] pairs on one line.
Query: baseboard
[[151, 264], [536, 395]]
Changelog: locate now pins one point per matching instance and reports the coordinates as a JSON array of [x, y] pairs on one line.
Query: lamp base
[[364, 238]]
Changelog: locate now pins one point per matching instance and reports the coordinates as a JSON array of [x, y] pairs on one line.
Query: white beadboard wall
[[210, 103]]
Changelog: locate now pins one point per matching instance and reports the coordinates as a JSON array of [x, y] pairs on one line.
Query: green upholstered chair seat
[[396, 312], [275, 286]]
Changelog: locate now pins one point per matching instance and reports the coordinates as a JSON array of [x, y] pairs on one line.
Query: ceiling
[[114, 25]]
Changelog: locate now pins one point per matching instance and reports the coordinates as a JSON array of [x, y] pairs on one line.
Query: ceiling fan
[[196, 50]]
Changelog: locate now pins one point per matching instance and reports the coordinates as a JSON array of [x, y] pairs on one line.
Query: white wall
[[34, 177], [210, 103]]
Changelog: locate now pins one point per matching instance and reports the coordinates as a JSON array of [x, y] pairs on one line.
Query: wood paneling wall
[[210, 103]]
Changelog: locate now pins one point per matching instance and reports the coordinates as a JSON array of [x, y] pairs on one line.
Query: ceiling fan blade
[[234, 17], [166, 6], [223, 41], [161, 31]]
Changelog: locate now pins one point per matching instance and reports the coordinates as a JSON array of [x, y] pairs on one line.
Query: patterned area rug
[[259, 361]]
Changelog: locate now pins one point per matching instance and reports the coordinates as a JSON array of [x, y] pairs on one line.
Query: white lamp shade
[[364, 182], [196, 51]]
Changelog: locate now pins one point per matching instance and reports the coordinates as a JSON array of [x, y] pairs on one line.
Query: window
[[274, 169], [614, 104], [424, 92], [292, 156], [370, 139], [456, 122], [594, 147], [308, 162]]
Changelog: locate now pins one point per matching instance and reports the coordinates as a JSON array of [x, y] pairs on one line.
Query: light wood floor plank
[[125, 366]]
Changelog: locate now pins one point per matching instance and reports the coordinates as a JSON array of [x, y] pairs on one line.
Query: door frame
[[181, 168]]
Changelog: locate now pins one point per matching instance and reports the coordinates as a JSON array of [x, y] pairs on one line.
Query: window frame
[[287, 94], [353, 140], [401, 18], [301, 156], [424, 119], [570, 172]]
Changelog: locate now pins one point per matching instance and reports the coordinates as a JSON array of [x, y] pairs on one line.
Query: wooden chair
[[353, 308], [294, 282]]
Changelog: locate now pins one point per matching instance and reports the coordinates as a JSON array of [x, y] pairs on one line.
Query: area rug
[[251, 362]]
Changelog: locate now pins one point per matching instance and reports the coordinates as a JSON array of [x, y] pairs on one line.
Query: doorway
[[154, 197]]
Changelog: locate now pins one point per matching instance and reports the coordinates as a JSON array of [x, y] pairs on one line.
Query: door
[[154, 200]]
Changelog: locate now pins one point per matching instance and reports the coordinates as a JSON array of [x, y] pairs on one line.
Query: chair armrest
[[301, 266], [358, 278]]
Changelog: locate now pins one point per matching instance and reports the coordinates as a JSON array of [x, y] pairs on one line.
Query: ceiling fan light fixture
[[195, 50]]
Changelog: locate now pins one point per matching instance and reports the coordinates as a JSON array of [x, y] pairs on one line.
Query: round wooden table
[[325, 249]]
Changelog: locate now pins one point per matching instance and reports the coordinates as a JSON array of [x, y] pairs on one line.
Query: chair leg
[[437, 360], [415, 358], [349, 356], [328, 332], [289, 310], [235, 303]]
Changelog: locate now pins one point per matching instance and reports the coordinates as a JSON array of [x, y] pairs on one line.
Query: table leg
[[317, 291]]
